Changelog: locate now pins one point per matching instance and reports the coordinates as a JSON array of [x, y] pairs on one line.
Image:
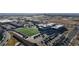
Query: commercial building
[[51, 28]]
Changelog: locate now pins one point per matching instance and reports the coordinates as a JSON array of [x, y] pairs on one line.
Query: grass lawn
[[28, 31]]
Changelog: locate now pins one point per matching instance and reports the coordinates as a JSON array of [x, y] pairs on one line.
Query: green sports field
[[28, 31]]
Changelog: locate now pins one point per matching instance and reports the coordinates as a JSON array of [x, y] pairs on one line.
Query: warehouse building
[[8, 27], [17, 24]]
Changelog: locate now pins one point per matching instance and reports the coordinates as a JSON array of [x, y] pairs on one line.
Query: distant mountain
[[19, 14], [31, 14], [64, 14]]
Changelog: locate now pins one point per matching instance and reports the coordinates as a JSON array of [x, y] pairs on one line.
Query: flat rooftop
[[52, 25], [6, 20]]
